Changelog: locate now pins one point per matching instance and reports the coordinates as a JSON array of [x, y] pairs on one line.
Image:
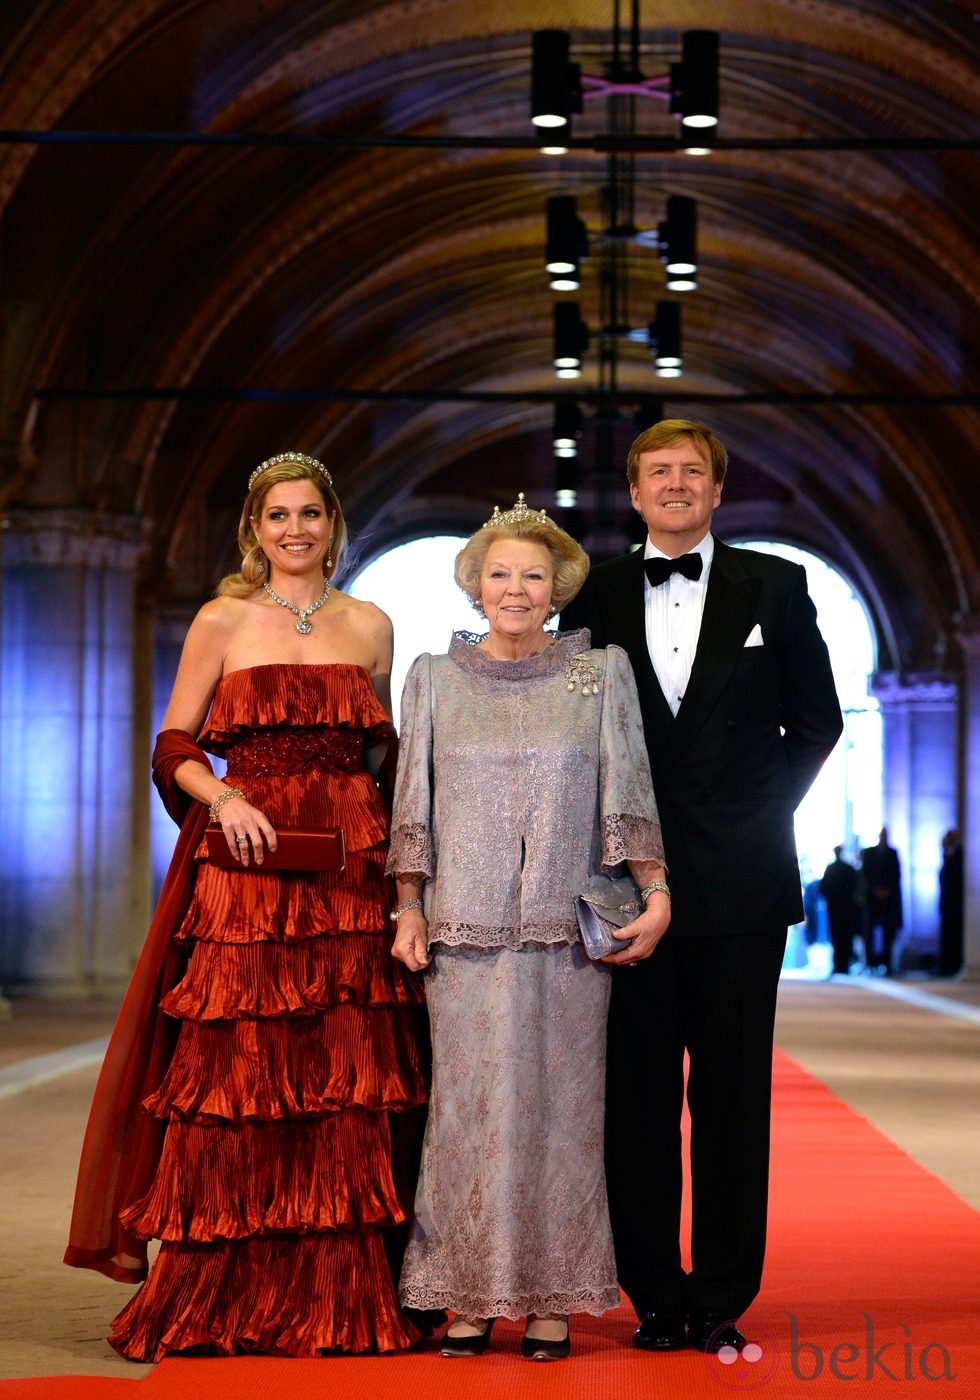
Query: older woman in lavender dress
[[523, 773]]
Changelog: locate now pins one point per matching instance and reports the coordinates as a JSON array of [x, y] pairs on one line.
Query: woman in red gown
[[257, 1107]]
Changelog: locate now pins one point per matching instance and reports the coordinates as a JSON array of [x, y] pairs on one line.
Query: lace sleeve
[[629, 821], [411, 816], [411, 850], [630, 838]]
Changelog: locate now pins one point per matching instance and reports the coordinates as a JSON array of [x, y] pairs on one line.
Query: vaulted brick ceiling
[[823, 271]]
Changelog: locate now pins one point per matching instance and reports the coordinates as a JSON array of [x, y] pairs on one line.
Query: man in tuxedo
[[881, 878], [840, 888], [740, 712]]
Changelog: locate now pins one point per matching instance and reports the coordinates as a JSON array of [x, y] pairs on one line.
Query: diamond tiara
[[520, 513], [300, 457]]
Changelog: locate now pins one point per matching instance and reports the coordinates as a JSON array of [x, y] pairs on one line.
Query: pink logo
[[750, 1368]]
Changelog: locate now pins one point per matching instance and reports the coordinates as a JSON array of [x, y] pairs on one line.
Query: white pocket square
[[754, 639]]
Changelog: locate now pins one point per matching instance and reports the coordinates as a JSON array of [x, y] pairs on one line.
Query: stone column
[[920, 763], [968, 636], [74, 878], [169, 628]]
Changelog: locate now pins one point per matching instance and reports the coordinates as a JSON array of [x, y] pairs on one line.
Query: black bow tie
[[658, 571]]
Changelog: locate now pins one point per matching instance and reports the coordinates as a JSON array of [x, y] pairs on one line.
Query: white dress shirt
[[673, 621]]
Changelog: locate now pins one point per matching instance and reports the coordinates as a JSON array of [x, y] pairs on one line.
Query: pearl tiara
[[300, 457], [520, 513]]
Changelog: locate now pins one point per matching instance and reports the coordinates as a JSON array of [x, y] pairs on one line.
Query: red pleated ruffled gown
[[290, 1101]]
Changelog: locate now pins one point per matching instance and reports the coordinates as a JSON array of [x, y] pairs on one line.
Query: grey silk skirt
[[511, 1214]]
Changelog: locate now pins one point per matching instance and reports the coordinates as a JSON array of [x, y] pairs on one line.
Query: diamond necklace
[[303, 624]]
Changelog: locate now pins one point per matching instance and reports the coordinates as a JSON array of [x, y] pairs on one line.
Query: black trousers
[[880, 914], [715, 998], [843, 927]]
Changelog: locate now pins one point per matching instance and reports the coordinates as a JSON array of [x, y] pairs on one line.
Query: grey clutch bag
[[606, 905]]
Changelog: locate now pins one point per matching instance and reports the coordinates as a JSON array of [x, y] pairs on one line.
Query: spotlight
[[678, 237], [571, 339], [694, 81], [556, 89], [567, 243], [665, 339], [568, 479], [567, 429]]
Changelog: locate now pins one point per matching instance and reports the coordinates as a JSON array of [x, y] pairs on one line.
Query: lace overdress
[[517, 782], [290, 1098]]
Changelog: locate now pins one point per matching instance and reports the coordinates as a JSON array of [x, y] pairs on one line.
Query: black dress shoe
[[710, 1331], [473, 1345], [543, 1349], [662, 1330]]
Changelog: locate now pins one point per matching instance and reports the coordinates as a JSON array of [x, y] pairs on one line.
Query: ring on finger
[[241, 840]]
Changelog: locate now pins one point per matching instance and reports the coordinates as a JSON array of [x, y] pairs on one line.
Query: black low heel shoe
[[541, 1349], [467, 1346]]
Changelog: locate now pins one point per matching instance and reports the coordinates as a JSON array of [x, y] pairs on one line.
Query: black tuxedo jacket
[[754, 727]]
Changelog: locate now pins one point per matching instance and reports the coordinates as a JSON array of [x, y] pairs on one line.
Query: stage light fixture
[[568, 479], [694, 81], [571, 339], [665, 339], [556, 90], [568, 428], [567, 243], [678, 236]]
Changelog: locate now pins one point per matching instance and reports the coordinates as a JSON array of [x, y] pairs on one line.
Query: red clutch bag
[[295, 850]]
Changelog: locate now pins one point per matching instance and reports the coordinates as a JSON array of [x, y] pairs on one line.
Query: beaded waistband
[[259, 753]]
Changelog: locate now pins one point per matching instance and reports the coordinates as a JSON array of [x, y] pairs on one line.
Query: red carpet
[[872, 1284]]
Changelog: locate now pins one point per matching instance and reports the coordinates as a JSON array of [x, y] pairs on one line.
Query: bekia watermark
[[903, 1360], [891, 1354]]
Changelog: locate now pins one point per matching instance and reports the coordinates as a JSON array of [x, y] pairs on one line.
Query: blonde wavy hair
[[255, 567], [571, 563]]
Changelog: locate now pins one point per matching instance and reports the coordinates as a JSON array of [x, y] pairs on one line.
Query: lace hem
[[411, 851], [600, 1298], [626, 837], [460, 935]]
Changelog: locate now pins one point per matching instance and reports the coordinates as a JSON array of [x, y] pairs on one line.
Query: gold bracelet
[[652, 888], [225, 795]]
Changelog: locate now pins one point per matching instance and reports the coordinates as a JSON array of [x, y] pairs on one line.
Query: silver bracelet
[[403, 908], [652, 888], [225, 795]]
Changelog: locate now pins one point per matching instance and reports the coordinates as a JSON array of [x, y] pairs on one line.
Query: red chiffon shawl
[[122, 1143]]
